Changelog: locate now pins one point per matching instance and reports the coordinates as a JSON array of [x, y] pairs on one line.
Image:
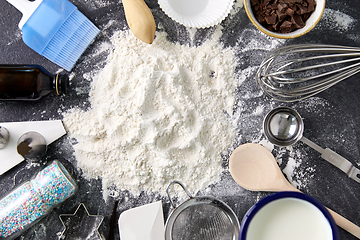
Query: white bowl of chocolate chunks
[[284, 18]]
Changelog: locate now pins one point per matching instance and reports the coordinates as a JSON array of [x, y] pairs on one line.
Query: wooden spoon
[[254, 167], [140, 20]]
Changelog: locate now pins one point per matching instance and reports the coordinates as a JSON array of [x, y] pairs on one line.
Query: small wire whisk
[[295, 72]]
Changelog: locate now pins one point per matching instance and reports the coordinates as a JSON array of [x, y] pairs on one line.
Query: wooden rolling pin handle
[[339, 220], [140, 20], [345, 224]]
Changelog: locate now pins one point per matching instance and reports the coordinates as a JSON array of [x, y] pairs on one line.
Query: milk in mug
[[289, 219]]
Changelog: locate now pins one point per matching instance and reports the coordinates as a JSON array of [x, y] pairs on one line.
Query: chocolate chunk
[[303, 10], [276, 26], [297, 21], [273, 6], [290, 1], [281, 7], [281, 15], [271, 19], [290, 12], [306, 16], [260, 19], [286, 27], [311, 5], [268, 11]]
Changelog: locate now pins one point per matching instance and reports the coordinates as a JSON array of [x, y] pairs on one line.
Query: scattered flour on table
[[238, 5], [158, 113], [97, 4], [336, 20]]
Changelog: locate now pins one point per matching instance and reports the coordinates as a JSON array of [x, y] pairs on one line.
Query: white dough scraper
[[143, 223]]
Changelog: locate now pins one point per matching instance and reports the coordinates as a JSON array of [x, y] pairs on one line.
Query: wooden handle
[[140, 20], [340, 220], [345, 224]]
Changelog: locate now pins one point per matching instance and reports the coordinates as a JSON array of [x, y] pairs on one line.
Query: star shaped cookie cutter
[[81, 225]]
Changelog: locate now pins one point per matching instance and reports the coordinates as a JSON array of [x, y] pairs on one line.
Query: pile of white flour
[[158, 113]]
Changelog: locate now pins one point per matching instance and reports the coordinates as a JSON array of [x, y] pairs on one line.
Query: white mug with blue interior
[[288, 216]]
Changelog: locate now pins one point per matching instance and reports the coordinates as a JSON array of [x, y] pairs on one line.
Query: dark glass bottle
[[30, 82]]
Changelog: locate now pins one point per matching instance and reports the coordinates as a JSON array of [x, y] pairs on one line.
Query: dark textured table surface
[[332, 121]]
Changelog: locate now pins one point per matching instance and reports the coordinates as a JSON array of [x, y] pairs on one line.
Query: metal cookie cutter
[[81, 225]]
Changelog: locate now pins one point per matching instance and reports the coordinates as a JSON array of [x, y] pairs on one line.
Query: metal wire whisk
[[295, 72]]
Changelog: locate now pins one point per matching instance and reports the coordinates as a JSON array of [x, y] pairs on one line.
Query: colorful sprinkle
[[54, 184], [35, 198]]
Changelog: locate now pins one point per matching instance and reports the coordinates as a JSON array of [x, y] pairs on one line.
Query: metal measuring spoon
[[32, 146], [4, 137], [283, 127]]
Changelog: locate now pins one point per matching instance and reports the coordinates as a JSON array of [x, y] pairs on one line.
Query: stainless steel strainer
[[201, 218]]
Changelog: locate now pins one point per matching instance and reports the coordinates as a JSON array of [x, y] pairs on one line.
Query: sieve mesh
[[203, 221]]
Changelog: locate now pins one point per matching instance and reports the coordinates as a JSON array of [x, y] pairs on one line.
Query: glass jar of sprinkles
[[25, 205]]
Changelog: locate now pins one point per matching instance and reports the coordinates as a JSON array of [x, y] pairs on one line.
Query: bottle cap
[[61, 84]]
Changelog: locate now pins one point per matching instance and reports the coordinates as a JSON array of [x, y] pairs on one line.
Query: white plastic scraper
[[9, 157], [143, 223]]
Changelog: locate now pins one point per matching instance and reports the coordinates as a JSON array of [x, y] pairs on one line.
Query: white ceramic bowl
[[197, 13], [309, 24]]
